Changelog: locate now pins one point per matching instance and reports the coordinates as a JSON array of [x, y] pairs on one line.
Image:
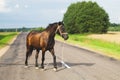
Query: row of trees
[[15, 29], [114, 27], [24, 29], [86, 17]]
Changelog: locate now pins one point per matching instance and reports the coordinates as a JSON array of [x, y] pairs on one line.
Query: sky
[[37, 13]]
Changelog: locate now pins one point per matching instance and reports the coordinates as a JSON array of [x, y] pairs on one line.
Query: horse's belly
[[36, 46]]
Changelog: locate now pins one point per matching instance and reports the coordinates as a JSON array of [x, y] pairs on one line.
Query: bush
[[86, 17], [115, 28]]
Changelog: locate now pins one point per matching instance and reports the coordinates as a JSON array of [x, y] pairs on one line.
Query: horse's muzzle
[[65, 36]]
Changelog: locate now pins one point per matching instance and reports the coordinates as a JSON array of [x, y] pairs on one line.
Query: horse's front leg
[[43, 59], [54, 58], [36, 57]]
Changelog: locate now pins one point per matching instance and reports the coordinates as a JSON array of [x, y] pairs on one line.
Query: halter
[[58, 29]]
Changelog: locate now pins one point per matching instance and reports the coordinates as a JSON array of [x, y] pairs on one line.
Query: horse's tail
[[28, 45], [29, 51], [29, 54]]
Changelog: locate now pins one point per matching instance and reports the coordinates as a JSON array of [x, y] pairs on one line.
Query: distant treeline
[[114, 24], [114, 27], [24, 29], [15, 29]]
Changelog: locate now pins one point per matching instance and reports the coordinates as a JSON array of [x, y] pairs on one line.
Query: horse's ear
[[60, 22]]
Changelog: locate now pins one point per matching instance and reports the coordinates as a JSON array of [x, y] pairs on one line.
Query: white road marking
[[65, 64]]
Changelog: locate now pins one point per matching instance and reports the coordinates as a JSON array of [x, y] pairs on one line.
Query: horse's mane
[[51, 25]]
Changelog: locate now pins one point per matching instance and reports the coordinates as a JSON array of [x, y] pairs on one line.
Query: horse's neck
[[52, 33]]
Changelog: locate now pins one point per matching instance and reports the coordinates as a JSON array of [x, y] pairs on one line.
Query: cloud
[[17, 6], [3, 6], [26, 6], [20, 6], [62, 11]]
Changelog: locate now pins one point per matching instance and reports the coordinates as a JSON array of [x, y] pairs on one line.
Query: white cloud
[[20, 6], [26, 6], [17, 6], [62, 11], [3, 6]]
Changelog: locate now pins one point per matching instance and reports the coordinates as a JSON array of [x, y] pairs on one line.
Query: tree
[[86, 17], [41, 28]]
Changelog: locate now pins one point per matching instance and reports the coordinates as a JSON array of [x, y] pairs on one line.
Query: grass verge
[[6, 37], [107, 48]]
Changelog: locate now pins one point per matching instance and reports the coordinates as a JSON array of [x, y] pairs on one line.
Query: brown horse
[[44, 41]]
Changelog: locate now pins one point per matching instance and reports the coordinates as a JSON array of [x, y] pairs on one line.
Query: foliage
[[23, 29], [15, 29], [114, 24], [86, 17], [39, 29], [114, 27]]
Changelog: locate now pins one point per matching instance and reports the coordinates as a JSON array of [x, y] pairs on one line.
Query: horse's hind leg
[[36, 61], [54, 59], [26, 60], [28, 54]]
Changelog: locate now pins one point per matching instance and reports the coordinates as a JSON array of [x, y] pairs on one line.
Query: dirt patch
[[110, 36]]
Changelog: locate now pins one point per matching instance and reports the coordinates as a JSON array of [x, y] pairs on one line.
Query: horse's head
[[61, 30]]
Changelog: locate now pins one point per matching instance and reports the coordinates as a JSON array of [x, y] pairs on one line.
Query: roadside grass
[[106, 48], [6, 37]]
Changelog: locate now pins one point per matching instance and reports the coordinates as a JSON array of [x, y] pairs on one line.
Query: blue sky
[[35, 13]]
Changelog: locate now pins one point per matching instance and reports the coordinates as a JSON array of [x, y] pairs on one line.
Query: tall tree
[[85, 17]]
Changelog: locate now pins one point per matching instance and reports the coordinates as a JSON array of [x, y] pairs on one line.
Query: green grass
[[6, 37], [108, 48]]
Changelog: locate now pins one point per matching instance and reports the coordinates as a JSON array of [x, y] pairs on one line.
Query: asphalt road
[[79, 64]]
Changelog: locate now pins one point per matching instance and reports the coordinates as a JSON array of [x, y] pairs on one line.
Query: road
[[82, 64]]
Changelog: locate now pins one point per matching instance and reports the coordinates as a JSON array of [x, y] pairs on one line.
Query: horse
[[44, 41]]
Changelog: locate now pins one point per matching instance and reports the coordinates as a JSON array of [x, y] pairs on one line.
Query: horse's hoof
[[42, 69], [25, 66], [55, 69], [36, 67]]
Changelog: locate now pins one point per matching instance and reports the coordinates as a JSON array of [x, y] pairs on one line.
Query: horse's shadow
[[62, 66], [75, 64], [49, 66], [81, 64]]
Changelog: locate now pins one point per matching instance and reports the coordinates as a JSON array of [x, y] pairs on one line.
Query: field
[[6, 37], [106, 44], [110, 37]]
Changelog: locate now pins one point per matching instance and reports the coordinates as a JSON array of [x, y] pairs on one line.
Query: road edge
[[4, 49]]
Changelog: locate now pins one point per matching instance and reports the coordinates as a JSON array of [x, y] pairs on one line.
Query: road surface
[[79, 64]]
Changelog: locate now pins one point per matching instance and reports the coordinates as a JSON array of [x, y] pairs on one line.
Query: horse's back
[[37, 40], [33, 39]]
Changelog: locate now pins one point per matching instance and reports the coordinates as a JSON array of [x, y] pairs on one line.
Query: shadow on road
[[80, 64], [49, 66]]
